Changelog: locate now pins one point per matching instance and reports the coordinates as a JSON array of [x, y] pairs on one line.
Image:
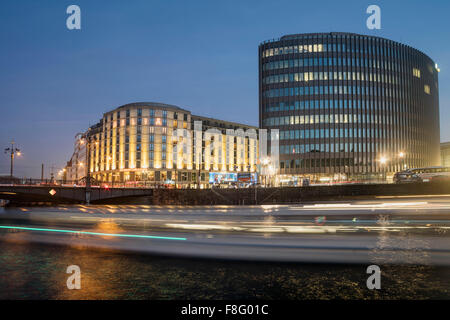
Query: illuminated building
[[155, 143], [76, 166], [348, 106]]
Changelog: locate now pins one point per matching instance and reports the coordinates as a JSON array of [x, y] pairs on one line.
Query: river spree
[[32, 271], [310, 251]]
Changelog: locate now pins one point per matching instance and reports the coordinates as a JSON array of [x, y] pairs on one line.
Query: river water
[[35, 271]]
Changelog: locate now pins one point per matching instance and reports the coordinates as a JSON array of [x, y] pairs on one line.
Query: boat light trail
[[93, 233]]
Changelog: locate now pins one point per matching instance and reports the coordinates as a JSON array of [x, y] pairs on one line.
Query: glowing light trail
[[93, 233]]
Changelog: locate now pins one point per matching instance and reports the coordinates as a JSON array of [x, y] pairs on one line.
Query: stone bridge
[[246, 196]]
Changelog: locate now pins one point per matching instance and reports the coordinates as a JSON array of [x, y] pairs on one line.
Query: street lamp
[[402, 155], [86, 138], [271, 172], [383, 161], [62, 174], [265, 164], [175, 166], [13, 151]]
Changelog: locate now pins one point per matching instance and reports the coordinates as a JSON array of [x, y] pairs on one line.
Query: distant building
[[445, 154], [157, 143], [76, 166]]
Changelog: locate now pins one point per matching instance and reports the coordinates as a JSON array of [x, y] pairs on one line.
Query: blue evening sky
[[200, 55]]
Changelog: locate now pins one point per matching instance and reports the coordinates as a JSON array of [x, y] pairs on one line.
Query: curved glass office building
[[348, 106]]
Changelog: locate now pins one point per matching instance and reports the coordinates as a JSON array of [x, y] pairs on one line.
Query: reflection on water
[[409, 249], [32, 271]]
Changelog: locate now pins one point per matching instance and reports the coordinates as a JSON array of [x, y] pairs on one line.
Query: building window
[[427, 89]]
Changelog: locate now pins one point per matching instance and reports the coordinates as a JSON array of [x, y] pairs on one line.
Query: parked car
[[253, 185], [406, 177]]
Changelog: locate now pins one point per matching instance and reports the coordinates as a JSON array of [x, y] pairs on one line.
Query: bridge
[[65, 194], [139, 194]]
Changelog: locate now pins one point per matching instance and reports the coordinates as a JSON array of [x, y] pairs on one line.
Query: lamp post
[[265, 165], [198, 177], [13, 151], [87, 138], [62, 174], [175, 178], [271, 171], [401, 155], [175, 166], [383, 161]]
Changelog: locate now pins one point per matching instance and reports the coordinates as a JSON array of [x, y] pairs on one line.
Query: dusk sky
[[199, 55]]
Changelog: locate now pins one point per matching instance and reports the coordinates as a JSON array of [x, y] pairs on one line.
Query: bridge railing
[[80, 183], [39, 182]]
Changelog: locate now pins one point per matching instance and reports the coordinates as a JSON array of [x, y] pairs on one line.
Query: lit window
[[427, 89]]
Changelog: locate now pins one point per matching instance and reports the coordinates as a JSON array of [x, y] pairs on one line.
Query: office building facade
[[348, 106]]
